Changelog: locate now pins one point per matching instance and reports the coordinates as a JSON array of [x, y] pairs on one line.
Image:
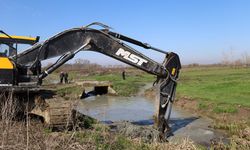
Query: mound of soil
[[146, 133]]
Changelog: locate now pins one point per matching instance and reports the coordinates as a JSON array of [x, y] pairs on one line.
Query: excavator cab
[[8, 49]]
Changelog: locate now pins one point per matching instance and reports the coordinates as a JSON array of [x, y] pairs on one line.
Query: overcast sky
[[200, 31]]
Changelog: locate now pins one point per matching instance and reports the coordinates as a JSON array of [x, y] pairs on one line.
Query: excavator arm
[[67, 43]]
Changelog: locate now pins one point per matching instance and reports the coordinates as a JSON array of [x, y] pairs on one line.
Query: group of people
[[64, 76]]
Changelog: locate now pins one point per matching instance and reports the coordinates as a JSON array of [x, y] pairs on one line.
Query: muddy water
[[114, 108], [140, 110], [118, 108]]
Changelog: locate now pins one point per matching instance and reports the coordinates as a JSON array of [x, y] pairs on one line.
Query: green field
[[220, 85], [127, 87], [216, 85]]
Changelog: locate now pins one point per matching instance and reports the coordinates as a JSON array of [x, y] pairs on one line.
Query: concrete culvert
[[100, 90]]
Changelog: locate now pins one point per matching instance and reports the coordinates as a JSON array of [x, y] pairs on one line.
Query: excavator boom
[[100, 41]]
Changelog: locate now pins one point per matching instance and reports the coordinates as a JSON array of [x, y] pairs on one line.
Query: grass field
[[217, 85], [220, 85], [126, 87], [135, 79]]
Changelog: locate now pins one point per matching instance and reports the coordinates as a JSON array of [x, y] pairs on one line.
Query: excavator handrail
[[18, 39]]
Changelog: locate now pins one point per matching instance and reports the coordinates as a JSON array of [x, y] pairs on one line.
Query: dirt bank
[[207, 109]]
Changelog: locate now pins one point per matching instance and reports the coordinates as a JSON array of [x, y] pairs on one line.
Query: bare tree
[[225, 58], [246, 58]]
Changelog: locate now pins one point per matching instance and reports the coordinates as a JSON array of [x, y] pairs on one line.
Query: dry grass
[[31, 134], [27, 133], [186, 144], [35, 137]]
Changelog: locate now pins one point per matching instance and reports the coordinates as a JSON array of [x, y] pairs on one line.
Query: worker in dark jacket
[[61, 77], [66, 78], [123, 75]]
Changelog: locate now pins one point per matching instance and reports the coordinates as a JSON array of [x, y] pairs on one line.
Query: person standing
[[61, 77], [66, 78], [123, 75]]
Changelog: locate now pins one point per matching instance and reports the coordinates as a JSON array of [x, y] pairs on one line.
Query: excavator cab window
[[4, 50]]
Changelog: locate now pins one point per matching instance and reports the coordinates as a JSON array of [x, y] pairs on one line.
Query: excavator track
[[56, 112]]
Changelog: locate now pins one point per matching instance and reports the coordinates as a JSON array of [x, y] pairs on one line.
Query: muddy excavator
[[21, 73]]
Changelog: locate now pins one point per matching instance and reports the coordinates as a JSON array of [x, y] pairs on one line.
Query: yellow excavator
[[21, 72], [55, 112]]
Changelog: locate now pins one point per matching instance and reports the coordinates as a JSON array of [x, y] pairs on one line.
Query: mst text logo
[[130, 57]]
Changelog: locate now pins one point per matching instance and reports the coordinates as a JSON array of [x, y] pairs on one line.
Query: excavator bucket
[[165, 93]]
